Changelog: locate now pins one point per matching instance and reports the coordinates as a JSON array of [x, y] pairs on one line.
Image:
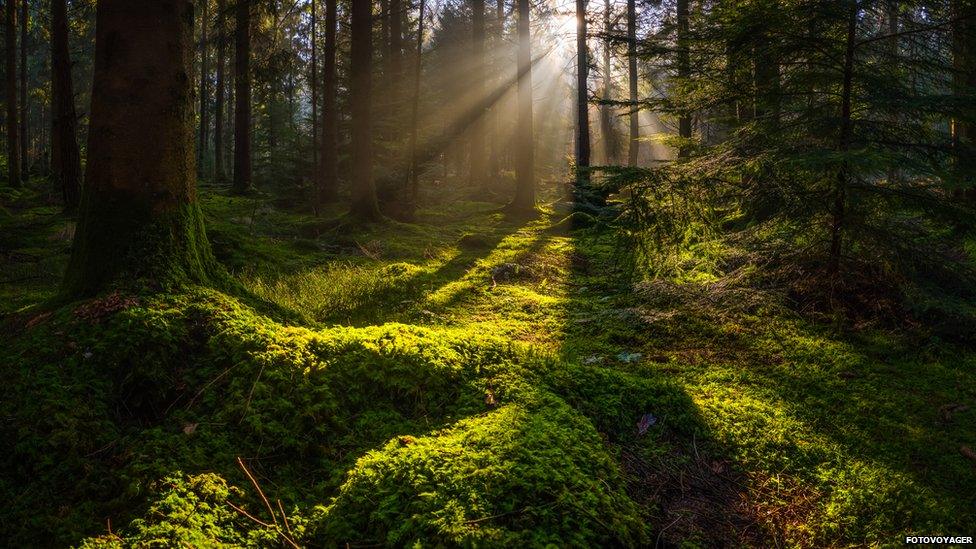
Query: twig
[[249, 515], [284, 518], [258, 488]]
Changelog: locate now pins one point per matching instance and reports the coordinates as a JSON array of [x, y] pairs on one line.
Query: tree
[[479, 160], [204, 87], [24, 104], [415, 110], [633, 149], [242, 98], [65, 158], [364, 203], [582, 99], [684, 69], [313, 78], [13, 131], [608, 132], [494, 157], [524, 201], [139, 216], [328, 172], [221, 93]]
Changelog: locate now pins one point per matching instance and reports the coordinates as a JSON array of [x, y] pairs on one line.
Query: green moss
[[120, 242]]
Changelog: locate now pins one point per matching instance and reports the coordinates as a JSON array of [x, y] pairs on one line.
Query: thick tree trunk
[[139, 215], [65, 158], [364, 204], [329, 172], [242, 98], [633, 149], [13, 129], [204, 88], [684, 68], [582, 99], [479, 160], [220, 175], [524, 201], [25, 161]]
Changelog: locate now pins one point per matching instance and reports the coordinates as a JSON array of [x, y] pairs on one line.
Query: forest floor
[[766, 428]]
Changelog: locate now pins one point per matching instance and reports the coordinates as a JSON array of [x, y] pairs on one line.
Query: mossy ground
[[467, 379]]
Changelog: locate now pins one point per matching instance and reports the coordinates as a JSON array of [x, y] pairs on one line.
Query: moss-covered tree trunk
[[65, 157], [364, 204], [10, 94], [242, 98], [139, 215]]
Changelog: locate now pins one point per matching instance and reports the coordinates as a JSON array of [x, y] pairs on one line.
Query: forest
[[523, 273]]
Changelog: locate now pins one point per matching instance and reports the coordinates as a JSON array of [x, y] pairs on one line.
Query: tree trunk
[[582, 99], [242, 98], [364, 204], [221, 92], [414, 115], [24, 103], [478, 164], [204, 88], [395, 52], [684, 69], [313, 82], [139, 214], [13, 130], [963, 134], [494, 158], [843, 145], [633, 149], [329, 173], [606, 111], [524, 201], [65, 158]]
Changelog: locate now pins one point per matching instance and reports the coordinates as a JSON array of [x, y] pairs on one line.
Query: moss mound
[[388, 434]]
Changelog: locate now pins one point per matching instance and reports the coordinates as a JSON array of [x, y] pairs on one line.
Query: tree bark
[[524, 201], [963, 134], [242, 98], [220, 175], [364, 204], [479, 160], [13, 129], [606, 111], [633, 149], [139, 215], [313, 82], [65, 157], [204, 88], [24, 102], [684, 69], [494, 158], [329, 172], [839, 211], [414, 114], [582, 99]]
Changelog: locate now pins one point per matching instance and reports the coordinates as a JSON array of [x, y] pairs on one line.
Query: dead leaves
[[96, 310]]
